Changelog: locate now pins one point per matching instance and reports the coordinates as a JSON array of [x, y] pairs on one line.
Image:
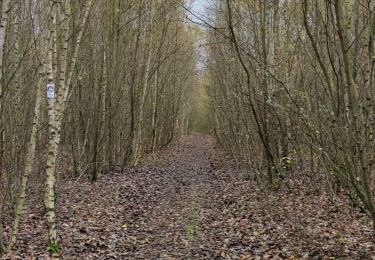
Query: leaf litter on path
[[188, 203]]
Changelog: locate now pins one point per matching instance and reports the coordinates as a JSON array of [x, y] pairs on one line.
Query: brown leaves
[[183, 209]]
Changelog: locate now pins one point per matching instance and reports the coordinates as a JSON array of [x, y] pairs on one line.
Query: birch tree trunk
[[49, 198], [56, 109], [3, 28]]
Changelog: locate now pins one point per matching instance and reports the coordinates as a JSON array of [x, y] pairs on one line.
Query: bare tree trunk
[[49, 198], [3, 28], [56, 108], [154, 112], [103, 123], [29, 161]]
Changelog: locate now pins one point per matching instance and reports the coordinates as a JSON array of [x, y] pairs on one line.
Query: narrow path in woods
[[181, 193], [188, 203]]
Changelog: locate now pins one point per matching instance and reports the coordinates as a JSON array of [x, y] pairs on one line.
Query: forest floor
[[188, 203]]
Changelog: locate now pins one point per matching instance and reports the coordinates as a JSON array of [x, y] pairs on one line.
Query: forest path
[[182, 195], [170, 207], [187, 202]]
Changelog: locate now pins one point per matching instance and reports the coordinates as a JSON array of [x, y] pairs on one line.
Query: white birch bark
[[56, 111], [49, 198]]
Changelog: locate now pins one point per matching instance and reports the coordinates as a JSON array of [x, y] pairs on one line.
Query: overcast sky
[[198, 8]]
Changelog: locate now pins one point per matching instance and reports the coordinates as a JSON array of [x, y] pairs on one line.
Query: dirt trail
[[188, 203], [182, 192]]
